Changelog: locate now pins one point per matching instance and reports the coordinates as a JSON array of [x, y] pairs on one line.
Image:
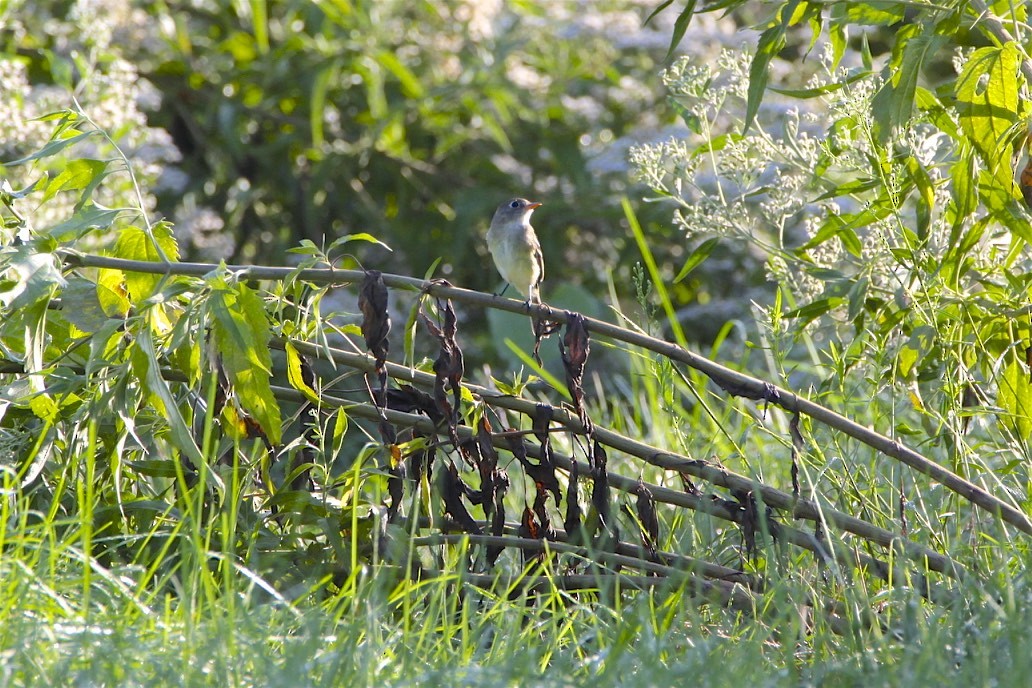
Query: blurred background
[[255, 125]]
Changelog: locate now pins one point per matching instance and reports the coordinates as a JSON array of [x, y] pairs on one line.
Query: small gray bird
[[515, 248]]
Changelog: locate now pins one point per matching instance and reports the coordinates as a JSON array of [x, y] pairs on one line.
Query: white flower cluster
[[761, 187], [109, 92]]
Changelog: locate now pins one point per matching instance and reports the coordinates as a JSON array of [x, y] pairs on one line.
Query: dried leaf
[[574, 348], [453, 490], [647, 517]]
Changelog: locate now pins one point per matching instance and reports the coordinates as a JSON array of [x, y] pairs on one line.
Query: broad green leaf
[[874, 13], [240, 330], [76, 175], [45, 407], [37, 276], [135, 244], [1015, 399], [81, 305], [86, 218], [917, 347], [987, 102], [936, 113], [837, 37]]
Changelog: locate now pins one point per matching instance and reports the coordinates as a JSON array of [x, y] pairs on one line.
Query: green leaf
[[874, 13], [814, 310], [111, 292], [145, 363], [662, 6], [987, 103], [86, 218], [917, 347], [697, 257], [38, 276], [240, 330], [54, 147], [680, 25], [7, 194], [926, 195], [806, 93], [81, 306], [360, 236], [135, 244], [893, 105], [410, 85], [772, 41], [1015, 399], [77, 174]]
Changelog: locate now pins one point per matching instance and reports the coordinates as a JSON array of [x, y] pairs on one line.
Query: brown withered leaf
[[574, 348], [422, 460], [797, 447], [646, 507], [904, 527], [408, 399], [687, 484], [752, 522], [600, 488], [453, 488], [542, 421], [747, 390], [540, 510], [448, 367], [486, 463], [543, 474], [530, 529], [376, 322], [501, 485], [542, 328]]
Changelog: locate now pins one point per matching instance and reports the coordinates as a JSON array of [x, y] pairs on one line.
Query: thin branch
[[800, 508], [736, 383]]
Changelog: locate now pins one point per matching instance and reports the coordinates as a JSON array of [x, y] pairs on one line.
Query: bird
[[516, 249]]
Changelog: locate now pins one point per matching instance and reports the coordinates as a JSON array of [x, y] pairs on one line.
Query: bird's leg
[[504, 289]]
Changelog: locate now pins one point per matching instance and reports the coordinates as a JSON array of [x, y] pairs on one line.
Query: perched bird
[[515, 248]]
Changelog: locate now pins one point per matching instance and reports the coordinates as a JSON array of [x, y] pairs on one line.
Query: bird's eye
[[514, 204]]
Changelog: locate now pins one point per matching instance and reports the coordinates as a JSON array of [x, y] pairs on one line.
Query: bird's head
[[514, 211]]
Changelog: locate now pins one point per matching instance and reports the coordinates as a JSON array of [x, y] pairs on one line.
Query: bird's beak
[[531, 206]]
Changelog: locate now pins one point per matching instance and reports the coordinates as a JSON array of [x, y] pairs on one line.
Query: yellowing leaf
[[294, 376]]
